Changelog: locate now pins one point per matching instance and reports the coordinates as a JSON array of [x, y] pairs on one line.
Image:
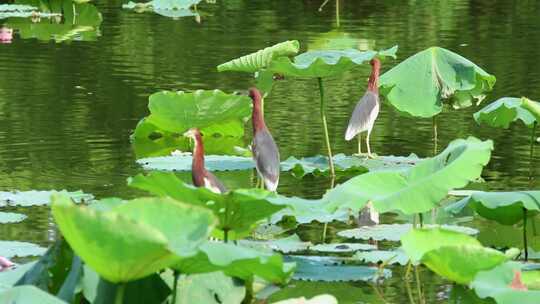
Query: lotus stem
[[119, 298], [249, 291], [325, 129], [525, 246], [324, 232], [435, 136], [175, 286], [322, 5], [226, 235], [337, 13], [531, 161], [418, 285], [421, 220], [408, 284]]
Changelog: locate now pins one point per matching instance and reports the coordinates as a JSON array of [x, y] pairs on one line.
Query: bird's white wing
[[364, 115]]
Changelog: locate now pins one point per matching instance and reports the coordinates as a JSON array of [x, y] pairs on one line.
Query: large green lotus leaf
[[214, 112], [306, 210], [497, 235], [420, 84], [388, 257], [11, 249], [148, 140], [324, 63], [345, 292], [315, 269], [503, 112], [496, 283], [8, 278], [10, 217], [533, 107], [292, 243], [503, 207], [394, 232], [28, 294], [419, 188], [453, 255], [342, 247], [320, 299], [237, 261], [261, 59], [182, 162], [38, 198], [134, 239], [210, 288], [238, 210], [318, 165]]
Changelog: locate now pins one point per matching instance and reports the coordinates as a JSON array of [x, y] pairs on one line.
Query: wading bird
[[367, 109], [200, 176], [265, 150]]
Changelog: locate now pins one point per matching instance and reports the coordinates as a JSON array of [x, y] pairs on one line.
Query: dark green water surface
[[67, 109]]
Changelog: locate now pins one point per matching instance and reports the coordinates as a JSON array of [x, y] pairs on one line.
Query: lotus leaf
[[382, 256], [183, 163], [345, 292], [321, 299], [38, 198], [289, 244], [8, 278], [80, 21], [28, 294], [11, 249], [237, 261], [453, 255], [261, 59], [503, 112], [496, 283], [421, 83], [306, 211], [134, 239], [394, 232], [324, 63], [497, 235], [210, 288], [235, 209], [533, 107], [314, 269], [342, 247], [10, 217], [503, 207], [318, 165], [419, 188], [212, 111]]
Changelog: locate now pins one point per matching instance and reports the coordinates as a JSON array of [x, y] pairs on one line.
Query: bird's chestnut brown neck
[[257, 116], [198, 155], [373, 82]]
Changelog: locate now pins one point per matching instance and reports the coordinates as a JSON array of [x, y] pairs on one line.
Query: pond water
[[67, 109]]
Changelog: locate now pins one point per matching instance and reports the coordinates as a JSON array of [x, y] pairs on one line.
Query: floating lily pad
[[289, 244], [210, 288], [503, 112], [503, 207], [324, 63], [183, 163], [383, 256], [394, 232], [28, 294], [421, 83], [38, 198], [345, 292], [11, 249], [498, 284], [10, 217], [313, 269], [261, 59], [237, 210], [318, 165], [453, 255], [342, 247], [134, 239], [168, 5], [237, 261], [321, 299], [419, 188], [214, 112]]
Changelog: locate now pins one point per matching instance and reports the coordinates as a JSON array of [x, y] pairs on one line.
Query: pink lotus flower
[[5, 263], [6, 35]]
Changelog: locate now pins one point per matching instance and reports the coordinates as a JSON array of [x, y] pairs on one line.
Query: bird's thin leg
[[368, 147], [359, 143]]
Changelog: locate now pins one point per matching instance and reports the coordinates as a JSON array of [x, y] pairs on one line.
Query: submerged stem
[[525, 246], [175, 286], [325, 129], [119, 298]]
